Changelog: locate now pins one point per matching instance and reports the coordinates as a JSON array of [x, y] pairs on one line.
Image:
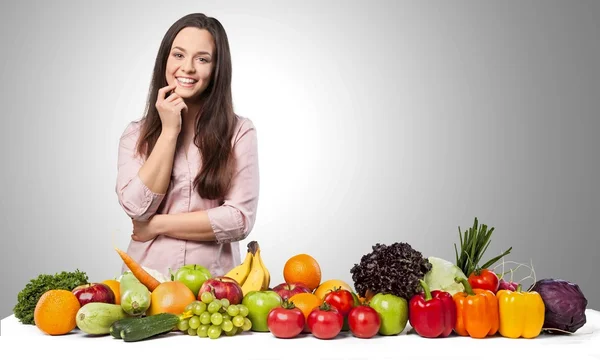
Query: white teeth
[[186, 80]]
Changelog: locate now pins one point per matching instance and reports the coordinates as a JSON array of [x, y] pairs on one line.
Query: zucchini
[[96, 318], [135, 296], [117, 326], [149, 326]]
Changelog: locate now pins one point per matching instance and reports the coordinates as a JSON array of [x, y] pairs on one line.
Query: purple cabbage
[[565, 304]]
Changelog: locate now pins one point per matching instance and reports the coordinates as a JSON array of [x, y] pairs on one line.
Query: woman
[[188, 170]]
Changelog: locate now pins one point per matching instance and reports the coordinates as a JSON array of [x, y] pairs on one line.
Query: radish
[[512, 284], [508, 285]]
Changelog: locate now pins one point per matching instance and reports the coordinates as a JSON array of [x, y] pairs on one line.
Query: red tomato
[[285, 321], [484, 279], [364, 321], [341, 299], [325, 322]]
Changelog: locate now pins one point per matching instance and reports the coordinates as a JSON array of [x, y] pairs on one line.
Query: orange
[[328, 285], [115, 286], [170, 297], [304, 269], [56, 311], [306, 302]]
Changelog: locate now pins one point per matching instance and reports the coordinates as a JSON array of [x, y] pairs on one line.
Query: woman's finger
[[172, 97]]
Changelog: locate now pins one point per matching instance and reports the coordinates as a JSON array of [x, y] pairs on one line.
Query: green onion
[[472, 247]]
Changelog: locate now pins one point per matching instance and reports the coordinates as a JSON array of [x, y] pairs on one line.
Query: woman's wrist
[[170, 134], [159, 225]]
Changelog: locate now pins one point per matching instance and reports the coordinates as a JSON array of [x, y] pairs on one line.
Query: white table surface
[[27, 339]]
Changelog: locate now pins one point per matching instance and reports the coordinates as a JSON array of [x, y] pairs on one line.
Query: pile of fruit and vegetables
[[394, 285]]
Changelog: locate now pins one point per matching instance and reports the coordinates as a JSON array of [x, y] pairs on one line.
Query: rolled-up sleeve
[[235, 218], [138, 201]]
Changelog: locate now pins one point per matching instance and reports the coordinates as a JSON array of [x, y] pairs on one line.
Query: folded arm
[[234, 219]]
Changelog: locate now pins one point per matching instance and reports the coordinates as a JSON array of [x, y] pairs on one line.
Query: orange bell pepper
[[521, 313], [477, 313]]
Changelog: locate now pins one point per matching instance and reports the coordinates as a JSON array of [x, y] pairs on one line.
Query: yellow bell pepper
[[521, 313]]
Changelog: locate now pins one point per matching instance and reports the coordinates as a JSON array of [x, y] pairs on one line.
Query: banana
[[267, 279], [240, 272], [255, 279]]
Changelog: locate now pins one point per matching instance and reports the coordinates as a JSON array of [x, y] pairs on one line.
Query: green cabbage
[[442, 274]]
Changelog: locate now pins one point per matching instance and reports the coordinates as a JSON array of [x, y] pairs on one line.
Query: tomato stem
[[286, 304], [325, 306]]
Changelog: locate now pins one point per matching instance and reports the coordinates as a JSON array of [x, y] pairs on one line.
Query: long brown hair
[[215, 123]]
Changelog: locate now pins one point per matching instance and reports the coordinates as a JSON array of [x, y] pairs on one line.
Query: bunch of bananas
[[251, 274]]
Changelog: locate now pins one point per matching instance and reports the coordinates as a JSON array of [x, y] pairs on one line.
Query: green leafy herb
[[28, 297]]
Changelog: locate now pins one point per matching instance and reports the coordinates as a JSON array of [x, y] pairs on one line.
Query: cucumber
[[96, 318], [149, 326], [117, 326], [135, 296]]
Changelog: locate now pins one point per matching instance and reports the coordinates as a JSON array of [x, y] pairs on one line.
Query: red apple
[[223, 287], [94, 292], [286, 290]]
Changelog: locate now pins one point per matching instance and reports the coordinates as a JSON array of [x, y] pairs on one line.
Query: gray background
[[392, 121]]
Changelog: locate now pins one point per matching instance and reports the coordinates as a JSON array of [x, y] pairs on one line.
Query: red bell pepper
[[432, 313]]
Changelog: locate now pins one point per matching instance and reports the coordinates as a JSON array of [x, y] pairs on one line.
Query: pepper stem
[[519, 288], [468, 288], [426, 290]]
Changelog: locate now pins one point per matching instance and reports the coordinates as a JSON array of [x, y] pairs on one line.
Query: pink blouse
[[232, 218]]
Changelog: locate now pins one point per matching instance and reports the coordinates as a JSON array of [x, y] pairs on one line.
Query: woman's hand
[[144, 230], [169, 109]]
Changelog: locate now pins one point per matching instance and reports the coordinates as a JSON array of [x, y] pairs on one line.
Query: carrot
[[136, 269]]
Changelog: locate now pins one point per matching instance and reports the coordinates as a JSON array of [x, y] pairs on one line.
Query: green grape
[[199, 308], [231, 332], [205, 318], [216, 318], [243, 310], [247, 324], [238, 321], [226, 316], [207, 297], [227, 325], [192, 332], [214, 306], [225, 302], [194, 322], [183, 325], [233, 310], [239, 330], [214, 332], [203, 331], [189, 307]]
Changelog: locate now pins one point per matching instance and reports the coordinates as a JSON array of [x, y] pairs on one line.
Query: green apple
[[259, 304], [393, 311], [193, 276]]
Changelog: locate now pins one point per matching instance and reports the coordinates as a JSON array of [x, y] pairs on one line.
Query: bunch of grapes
[[211, 318]]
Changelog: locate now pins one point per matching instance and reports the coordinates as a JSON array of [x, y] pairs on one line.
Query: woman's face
[[190, 62]]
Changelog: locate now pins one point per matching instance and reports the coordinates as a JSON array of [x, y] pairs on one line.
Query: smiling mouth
[[186, 82]]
